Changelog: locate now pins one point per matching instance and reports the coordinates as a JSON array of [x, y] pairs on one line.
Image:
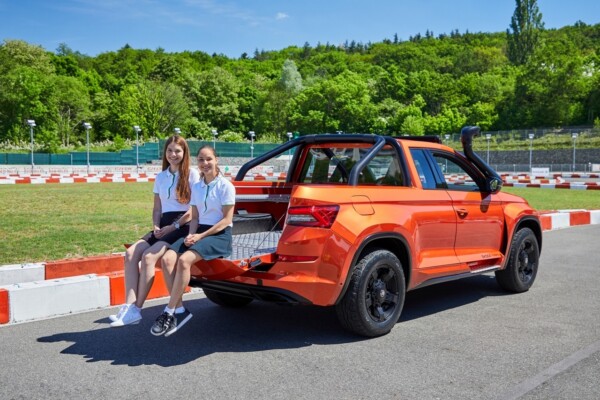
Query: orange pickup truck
[[361, 219]]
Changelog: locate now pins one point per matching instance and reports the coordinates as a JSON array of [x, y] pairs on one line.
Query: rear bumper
[[270, 294]]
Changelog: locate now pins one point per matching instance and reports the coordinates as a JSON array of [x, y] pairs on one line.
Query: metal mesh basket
[[252, 244]]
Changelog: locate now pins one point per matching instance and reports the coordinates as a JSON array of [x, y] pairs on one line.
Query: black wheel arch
[[533, 223], [391, 241]]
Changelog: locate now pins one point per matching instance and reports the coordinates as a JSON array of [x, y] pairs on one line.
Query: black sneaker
[[162, 324], [179, 321]]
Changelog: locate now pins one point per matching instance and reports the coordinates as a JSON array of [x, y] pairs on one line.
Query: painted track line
[[549, 373]]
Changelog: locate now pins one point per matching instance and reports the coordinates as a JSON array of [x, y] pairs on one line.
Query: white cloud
[[281, 15]]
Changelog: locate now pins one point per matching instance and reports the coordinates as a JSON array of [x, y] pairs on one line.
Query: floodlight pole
[[87, 127], [215, 133], [31, 124], [177, 132], [531, 136], [289, 135], [251, 134], [488, 137], [447, 136], [137, 130], [574, 136]]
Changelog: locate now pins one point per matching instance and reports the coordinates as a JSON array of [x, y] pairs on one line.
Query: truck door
[[480, 218], [434, 215]]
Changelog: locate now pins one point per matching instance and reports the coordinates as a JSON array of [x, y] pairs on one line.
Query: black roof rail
[[426, 138]]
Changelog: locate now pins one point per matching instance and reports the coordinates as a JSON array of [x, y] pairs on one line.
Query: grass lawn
[[56, 221], [558, 199]]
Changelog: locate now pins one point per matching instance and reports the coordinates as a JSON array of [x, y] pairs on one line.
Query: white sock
[[179, 310], [169, 310]]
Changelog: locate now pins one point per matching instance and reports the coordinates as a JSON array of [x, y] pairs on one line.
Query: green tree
[[72, 104], [157, 107], [272, 108], [524, 34], [341, 103], [214, 96]]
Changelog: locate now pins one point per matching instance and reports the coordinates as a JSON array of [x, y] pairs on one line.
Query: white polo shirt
[[165, 186], [210, 199]]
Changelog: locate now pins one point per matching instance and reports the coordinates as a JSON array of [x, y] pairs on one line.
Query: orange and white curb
[[74, 178], [567, 218], [35, 291], [38, 179], [41, 290]]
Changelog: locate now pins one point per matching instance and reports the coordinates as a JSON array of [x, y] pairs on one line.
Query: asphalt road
[[460, 340]]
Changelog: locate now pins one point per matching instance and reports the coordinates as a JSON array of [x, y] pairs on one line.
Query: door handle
[[462, 213]]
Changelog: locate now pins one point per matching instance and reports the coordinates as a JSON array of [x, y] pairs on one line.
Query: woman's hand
[[190, 240], [160, 232]]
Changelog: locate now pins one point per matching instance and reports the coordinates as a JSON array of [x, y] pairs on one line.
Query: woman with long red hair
[[170, 216]]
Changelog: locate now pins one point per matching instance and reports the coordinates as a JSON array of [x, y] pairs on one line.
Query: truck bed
[[252, 244]]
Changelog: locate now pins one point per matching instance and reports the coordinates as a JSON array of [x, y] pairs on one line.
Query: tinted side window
[[333, 164], [424, 170], [385, 167], [456, 176]]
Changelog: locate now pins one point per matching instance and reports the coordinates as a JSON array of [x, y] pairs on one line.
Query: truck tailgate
[[248, 249]]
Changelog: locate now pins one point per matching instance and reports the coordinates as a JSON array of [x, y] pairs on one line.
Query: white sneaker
[[131, 316], [118, 315]]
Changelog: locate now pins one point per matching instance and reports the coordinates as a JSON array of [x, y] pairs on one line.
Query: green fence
[[146, 153]]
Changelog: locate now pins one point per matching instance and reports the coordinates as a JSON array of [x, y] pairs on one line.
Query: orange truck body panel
[[439, 233]]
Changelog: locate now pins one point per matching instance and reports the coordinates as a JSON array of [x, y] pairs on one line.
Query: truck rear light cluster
[[312, 216]]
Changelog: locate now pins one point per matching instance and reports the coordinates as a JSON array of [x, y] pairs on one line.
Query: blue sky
[[232, 27]]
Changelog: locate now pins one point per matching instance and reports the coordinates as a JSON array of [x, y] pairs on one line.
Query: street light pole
[[137, 130], [177, 131], [215, 133], [574, 136], [447, 136], [31, 124], [531, 136], [251, 134], [488, 136], [289, 135], [87, 127]]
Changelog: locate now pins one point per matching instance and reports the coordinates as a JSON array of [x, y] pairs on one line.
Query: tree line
[[526, 77]]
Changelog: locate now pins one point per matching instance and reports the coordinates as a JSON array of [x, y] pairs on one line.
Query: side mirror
[[493, 184]]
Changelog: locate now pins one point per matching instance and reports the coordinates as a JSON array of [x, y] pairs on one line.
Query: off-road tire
[[523, 261], [375, 295], [226, 300]]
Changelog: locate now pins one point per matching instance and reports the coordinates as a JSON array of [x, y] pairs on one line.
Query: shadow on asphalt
[[256, 327], [445, 296]]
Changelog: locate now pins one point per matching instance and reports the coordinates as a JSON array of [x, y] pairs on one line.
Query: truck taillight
[[313, 216]]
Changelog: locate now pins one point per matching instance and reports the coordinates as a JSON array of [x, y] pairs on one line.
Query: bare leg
[[168, 263], [133, 256], [182, 276], [147, 266]]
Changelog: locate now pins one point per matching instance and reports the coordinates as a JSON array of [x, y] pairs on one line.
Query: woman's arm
[[190, 238], [219, 226], [156, 213]]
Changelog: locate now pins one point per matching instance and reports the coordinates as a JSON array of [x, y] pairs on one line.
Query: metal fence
[[146, 153], [525, 134]]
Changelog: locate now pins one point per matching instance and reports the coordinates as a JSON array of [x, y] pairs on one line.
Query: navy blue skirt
[[168, 218], [214, 246]]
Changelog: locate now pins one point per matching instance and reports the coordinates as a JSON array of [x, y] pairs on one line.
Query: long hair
[[183, 190], [214, 153]]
